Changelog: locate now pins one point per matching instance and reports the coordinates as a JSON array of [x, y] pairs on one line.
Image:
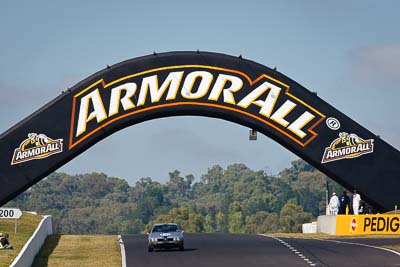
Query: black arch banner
[[199, 84]]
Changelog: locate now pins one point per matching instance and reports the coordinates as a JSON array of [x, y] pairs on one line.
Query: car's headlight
[[153, 239], [177, 239]]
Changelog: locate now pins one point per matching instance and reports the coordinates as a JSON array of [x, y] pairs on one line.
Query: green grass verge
[[27, 224], [79, 250]]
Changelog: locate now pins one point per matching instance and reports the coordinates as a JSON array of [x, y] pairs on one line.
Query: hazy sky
[[346, 51]]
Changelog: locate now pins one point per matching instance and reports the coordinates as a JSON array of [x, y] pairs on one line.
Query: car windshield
[[165, 228]]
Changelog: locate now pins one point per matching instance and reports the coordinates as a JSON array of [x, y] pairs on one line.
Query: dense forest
[[235, 200]]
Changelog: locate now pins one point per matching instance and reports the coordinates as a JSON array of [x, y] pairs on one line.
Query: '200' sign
[[10, 213]]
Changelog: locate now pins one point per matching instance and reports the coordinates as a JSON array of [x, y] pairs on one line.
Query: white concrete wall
[[122, 247], [309, 228], [326, 224], [31, 248]]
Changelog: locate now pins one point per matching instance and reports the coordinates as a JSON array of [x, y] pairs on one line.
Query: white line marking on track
[[292, 249], [359, 244]]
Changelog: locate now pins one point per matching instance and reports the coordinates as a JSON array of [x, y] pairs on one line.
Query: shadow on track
[[174, 250]]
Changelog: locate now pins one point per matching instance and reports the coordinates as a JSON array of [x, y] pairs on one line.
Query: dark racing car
[[165, 235]]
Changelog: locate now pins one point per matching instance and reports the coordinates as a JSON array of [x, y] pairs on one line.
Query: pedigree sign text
[[264, 99], [367, 224]]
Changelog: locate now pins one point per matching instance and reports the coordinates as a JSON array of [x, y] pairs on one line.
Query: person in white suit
[[356, 202], [334, 204]]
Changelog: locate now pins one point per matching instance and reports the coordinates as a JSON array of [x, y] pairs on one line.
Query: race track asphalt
[[234, 250]]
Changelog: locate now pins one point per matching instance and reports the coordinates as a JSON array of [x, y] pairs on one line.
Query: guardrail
[[32, 247]]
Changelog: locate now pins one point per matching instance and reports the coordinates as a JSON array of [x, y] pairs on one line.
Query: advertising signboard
[[368, 224]]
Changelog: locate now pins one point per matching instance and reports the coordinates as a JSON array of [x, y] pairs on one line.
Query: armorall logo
[[36, 146], [264, 99], [347, 146]]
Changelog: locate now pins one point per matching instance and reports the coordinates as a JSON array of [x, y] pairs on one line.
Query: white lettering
[[299, 123], [130, 89], [196, 85], [172, 81], [266, 106], [236, 85], [204, 86], [98, 111], [282, 112]]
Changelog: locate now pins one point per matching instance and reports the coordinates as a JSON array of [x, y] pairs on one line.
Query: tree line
[[233, 200]]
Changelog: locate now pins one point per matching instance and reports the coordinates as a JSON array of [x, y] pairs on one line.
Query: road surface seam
[[359, 244], [122, 247], [297, 252]]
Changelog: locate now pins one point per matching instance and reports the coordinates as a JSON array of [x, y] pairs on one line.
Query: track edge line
[[363, 245]]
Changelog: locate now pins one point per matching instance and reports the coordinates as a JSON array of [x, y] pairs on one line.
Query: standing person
[[356, 202], [344, 202], [334, 204]]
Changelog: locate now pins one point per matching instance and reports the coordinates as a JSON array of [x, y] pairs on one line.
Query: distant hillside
[[236, 199]]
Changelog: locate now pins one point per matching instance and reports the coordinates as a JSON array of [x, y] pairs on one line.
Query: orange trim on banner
[[105, 85]]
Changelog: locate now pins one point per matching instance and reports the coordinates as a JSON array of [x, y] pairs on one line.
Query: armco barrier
[[31, 248]]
